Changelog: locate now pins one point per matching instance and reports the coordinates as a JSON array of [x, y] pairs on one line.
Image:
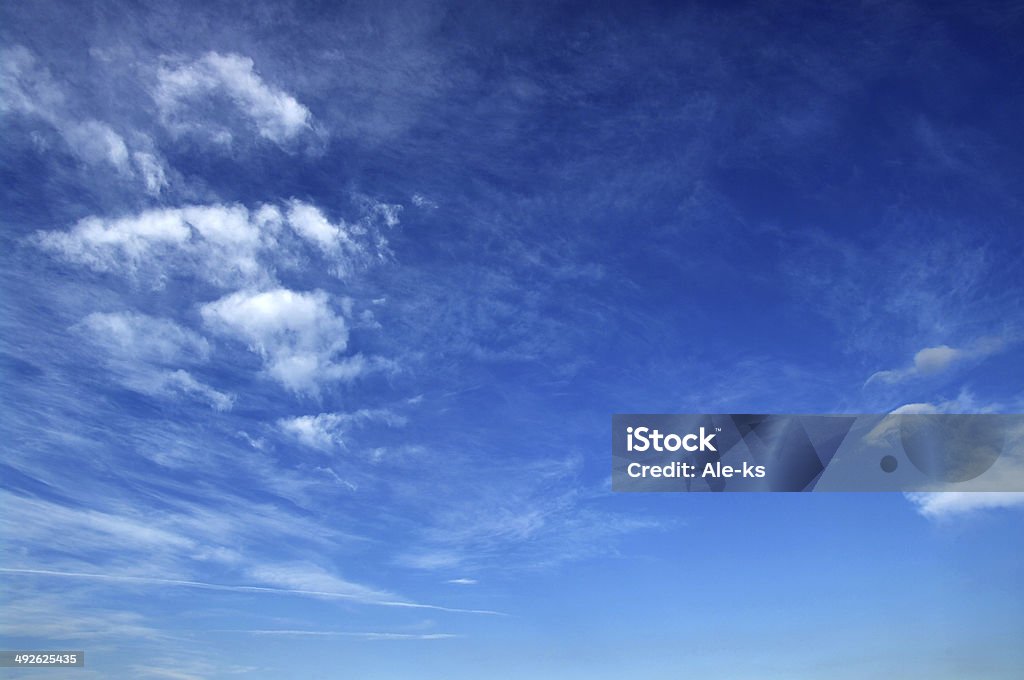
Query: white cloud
[[917, 408], [328, 429], [333, 240], [226, 245], [311, 225], [152, 170], [126, 243], [944, 504], [532, 515], [28, 88], [341, 589], [183, 382], [421, 201], [311, 578], [387, 212], [96, 143], [142, 352], [337, 478], [219, 243], [361, 635], [68, 616], [965, 402], [39, 522], [935, 360], [462, 581], [147, 338], [298, 335], [276, 115]]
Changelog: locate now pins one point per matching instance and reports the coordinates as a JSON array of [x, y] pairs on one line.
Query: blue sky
[[314, 318]]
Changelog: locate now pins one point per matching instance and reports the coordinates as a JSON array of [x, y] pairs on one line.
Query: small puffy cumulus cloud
[[298, 335], [325, 430], [227, 245], [932, 361], [183, 93], [145, 354], [928, 361], [27, 88], [946, 504]]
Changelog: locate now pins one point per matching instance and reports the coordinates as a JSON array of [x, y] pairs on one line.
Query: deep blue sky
[[314, 317]]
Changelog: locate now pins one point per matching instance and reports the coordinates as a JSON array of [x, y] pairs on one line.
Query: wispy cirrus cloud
[[377, 635], [523, 161], [326, 430], [345, 594], [70, 616], [146, 353], [146, 338], [183, 92], [533, 517], [311, 578], [115, 538]]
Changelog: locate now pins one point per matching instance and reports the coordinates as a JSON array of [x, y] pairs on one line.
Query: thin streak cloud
[[147, 580]]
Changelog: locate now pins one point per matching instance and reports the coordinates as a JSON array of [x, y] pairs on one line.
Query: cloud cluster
[[298, 334], [228, 246], [27, 88], [183, 93]]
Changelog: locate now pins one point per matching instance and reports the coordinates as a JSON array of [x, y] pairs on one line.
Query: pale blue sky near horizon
[[314, 317]]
